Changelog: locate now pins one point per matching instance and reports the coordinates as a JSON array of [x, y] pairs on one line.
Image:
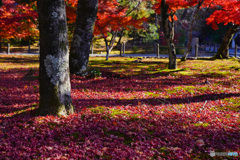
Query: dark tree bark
[[83, 34], [54, 78], [107, 48], [168, 30], [223, 52], [120, 39]]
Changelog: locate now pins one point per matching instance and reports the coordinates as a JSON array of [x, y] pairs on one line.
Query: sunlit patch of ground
[[135, 110]]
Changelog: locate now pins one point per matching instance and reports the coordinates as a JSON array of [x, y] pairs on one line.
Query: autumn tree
[[201, 6], [227, 12], [17, 20], [167, 9], [54, 78], [113, 18], [83, 34]]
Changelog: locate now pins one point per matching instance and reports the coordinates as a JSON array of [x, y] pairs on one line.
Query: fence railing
[[152, 48], [8, 48]]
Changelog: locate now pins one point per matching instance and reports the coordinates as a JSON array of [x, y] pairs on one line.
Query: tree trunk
[[168, 30], [83, 34], [120, 39], [111, 45], [107, 48], [54, 78], [222, 52], [189, 43]]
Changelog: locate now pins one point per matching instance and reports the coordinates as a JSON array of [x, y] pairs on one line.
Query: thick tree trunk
[[168, 30], [54, 78], [83, 34], [172, 54], [222, 52]]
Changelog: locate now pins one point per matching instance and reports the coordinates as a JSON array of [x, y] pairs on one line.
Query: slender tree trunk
[[107, 48], [222, 52], [189, 43], [168, 30], [120, 38], [54, 78], [111, 45], [193, 19], [83, 34]]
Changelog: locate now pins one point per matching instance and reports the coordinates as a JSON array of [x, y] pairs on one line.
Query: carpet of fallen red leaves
[[133, 111]]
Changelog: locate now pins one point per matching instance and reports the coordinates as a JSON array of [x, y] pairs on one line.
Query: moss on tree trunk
[[168, 30], [54, 78], [223, 52], [83, 34]]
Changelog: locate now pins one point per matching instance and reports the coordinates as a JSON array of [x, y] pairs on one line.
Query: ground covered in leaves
[[137, 109]]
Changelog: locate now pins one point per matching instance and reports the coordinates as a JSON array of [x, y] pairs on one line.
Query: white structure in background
[[233, 40]]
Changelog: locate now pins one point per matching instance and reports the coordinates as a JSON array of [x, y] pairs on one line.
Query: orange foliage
[[17, 21], [226, 11], [110, 17], [174, 5], [229, 13]]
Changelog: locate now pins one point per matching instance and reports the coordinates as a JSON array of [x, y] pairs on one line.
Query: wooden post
[[29, 46], [155, 48], [121, 48], [39, 47], [124, 47], [196, 50], [158, 50], [92, 48], [8, 48], [236, 48], [194, 42]]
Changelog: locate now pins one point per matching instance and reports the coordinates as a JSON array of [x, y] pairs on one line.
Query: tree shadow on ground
[[28, 60], [18, 90], [82, 103]]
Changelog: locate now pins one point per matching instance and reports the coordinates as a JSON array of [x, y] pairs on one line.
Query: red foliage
[[17, 21], [110, 17], [229, 12], [174, 5]]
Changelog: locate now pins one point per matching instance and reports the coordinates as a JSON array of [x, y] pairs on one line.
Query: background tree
[[196, 9], [167, 9], [111, 19], [227, 12], [54, 78], [83, 34]]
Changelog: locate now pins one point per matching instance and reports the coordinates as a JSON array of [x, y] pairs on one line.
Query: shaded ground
[[135, 110]]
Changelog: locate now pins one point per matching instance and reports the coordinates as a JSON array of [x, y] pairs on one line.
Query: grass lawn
[[133, 111]]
